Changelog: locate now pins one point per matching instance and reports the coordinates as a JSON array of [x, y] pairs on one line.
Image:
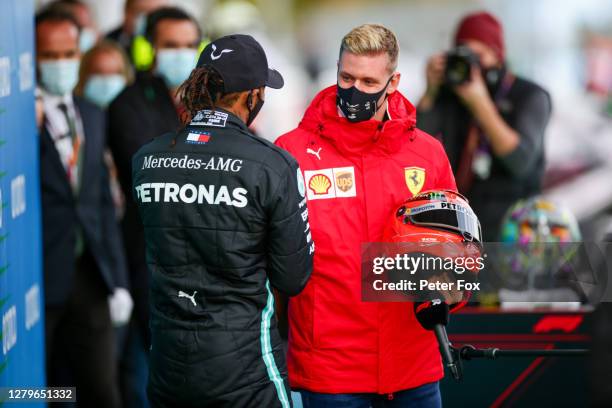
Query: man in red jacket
[[361, 156]]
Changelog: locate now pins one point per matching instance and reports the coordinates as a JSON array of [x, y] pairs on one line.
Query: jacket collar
[[322, 118], [218, 117]]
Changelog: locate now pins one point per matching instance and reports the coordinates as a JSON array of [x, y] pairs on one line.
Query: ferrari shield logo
[[415, 179]]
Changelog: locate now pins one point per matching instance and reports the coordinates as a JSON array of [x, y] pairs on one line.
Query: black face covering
[[358, 106], [253, 111]]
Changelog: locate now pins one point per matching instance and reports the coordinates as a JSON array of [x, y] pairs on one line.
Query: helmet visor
[[448, 216]]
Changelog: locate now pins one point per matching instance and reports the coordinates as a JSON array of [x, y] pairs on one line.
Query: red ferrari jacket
[[355, 175]]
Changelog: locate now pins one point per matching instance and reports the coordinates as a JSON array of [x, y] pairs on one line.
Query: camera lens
[[459, 63], [458, 72]]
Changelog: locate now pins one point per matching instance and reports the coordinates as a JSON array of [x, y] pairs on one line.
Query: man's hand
[[435, 77], [475, 96], [473, 93], [435, 73], [449, 296]]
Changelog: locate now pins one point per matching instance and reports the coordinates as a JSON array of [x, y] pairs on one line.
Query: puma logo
[[182, 294], [216, 57], [317, 153]]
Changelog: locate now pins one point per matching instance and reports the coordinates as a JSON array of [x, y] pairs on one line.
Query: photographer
[[490, 121]]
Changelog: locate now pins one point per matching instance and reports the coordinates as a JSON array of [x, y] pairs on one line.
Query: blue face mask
[[59, 77], [102, 89], [87, 39], [175, 64]]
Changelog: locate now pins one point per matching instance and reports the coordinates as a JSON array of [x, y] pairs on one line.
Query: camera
[[459, 62]]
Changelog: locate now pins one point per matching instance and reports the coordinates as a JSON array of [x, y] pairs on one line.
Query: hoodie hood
[[322, 118]]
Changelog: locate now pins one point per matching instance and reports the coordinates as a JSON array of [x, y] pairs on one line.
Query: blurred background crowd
[[128, 57]]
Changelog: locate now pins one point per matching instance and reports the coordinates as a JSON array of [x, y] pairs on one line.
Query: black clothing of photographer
[[490, 121]]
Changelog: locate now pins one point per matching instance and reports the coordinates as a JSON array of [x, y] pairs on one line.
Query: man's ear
[[394, 83]]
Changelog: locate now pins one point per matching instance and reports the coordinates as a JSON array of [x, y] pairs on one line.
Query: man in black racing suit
[[225, 221]]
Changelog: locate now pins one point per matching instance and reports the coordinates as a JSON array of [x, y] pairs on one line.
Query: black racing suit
[[225, 221]]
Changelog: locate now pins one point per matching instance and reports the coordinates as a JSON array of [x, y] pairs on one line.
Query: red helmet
[[436, 216], [441, 224]]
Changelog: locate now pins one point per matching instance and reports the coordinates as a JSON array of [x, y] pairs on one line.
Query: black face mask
[[253, 111], [358, 106]]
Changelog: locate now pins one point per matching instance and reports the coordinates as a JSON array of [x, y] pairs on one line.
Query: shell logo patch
[[331, 183], [319, 184]]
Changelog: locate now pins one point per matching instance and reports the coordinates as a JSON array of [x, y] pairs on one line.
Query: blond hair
[[369, 39], [104, 46]]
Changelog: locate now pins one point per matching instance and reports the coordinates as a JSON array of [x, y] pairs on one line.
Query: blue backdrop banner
[[22, 362]]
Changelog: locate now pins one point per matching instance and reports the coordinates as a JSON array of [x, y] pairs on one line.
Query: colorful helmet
[[437, 216], [539, 239], [539, 220]]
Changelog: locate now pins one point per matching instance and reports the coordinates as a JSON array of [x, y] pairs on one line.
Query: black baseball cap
[[241, 62]]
